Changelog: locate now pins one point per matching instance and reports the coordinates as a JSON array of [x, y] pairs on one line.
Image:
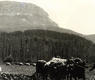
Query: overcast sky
[[77, 15]]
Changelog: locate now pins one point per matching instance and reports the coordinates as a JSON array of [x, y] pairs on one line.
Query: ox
[[56, 68], [76, 68], [40, 69]]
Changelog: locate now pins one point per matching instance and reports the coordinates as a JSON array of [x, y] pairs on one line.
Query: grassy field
[[29, 70], [16, 69]]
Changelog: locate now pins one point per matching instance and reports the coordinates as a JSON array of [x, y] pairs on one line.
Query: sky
[[77, 15]]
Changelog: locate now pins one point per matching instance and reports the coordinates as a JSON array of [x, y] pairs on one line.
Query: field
[[29, 70], [16, 69]]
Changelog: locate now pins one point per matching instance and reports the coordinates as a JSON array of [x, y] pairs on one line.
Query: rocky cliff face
[[18, 16], [21, 16]]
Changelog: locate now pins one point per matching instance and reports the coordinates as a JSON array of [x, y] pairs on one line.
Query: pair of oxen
[[61, 69]]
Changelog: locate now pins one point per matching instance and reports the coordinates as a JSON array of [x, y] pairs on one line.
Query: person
[[0, 69]]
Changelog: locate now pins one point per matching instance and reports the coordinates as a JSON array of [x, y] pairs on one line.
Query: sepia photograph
[[47, 40]]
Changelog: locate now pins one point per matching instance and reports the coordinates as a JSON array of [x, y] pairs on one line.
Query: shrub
[[8, 59]]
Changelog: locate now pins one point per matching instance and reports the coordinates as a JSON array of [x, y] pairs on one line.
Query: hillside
[[91, 37]]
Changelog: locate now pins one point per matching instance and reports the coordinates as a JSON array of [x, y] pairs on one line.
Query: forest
[[31, 45]]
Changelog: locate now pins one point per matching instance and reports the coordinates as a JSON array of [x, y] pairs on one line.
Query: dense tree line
[[41, 44]]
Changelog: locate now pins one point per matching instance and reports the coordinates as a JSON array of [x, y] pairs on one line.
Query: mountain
[[20, 16], [25, 25], [91, 37]]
